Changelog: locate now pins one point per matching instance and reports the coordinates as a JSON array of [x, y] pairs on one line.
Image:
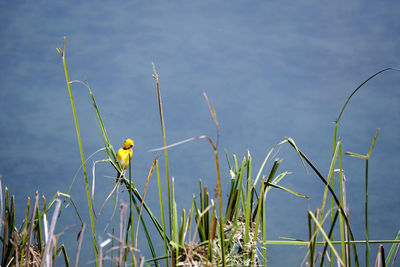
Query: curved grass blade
[[65, 255], [333, 195], [289, 190], [327, 239], [348, 99]]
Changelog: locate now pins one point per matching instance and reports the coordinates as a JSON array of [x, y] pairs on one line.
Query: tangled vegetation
[[211, 233]]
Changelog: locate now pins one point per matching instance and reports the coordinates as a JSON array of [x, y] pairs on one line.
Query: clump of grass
[[211, 233], [34, 242], [232, 237]]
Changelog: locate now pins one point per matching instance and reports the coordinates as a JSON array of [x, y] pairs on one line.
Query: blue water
[[270, 70]]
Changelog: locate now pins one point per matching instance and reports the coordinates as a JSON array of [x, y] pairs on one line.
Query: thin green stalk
[[264, 230], [5, 238], [133, 189], [155, 76], [330, 234], [303, 156], [140, 211], [25, 231], [182, 227], [115, 200], [236, 162], [238, 194], [174, 236], [330, 175], [366, 157], [146, 231], [131, 211], [247, 211], [260, 204], [348, 99], [192, 209], [342, 226], [12, 217], [207, 214], [64, 252], [344, 106], [215, 148], [389, 256], [199, 222], [203, 207], [311, 240], [332, 205], [62, 53], [212, 232], [162, 213], [243, 202], [221, 221], [366, 216], [321, 230]]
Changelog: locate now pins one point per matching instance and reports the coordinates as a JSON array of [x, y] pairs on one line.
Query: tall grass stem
[[159, 100], [62, 53]]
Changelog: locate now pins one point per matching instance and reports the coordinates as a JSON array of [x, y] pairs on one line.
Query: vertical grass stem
[[62, 53], [155, 76]]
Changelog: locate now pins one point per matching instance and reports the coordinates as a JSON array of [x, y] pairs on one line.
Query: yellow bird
[[124, 156]]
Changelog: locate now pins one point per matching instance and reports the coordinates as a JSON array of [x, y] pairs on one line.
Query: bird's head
[[128, 144]]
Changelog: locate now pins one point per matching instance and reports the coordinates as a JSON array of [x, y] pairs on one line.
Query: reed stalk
[[62, 53], [160, 109]]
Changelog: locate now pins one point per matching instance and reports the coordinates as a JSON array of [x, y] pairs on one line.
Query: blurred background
[[270, 68]]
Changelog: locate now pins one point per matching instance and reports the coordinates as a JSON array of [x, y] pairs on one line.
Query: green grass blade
[[25, 231], [392, 249], [11, 223], [182, 227], [273, 170], [132, 187], [327, 239], [366, 157], [289, 190], [207, 214], [200, 227], [348, 99], [373, 143], [334, 196], [330, 234], [145, 229], [134, 244], [5, 238], [355, 155], [277, 179], [62, 53], [156, 77], [343, 236], [103, 133], [162, 214], [265, 161], [247, 211], [65, 255], [175, 228], [240, 186], [258, 217], [227, 160]]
